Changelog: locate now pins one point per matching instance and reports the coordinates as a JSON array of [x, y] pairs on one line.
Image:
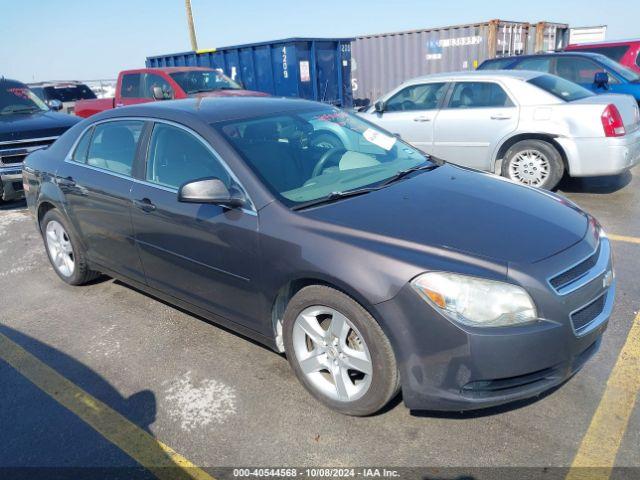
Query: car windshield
[[305, 156], [69, 93], [560, 88], [196, 81], [17, 98], [626, 73]]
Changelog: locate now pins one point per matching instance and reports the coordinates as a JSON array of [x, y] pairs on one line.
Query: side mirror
[[55, 105], [211, 190], [601, 80], [380, 106], [158, 93]]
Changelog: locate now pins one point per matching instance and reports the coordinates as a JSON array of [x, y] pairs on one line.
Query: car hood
[[456, 209], [230, 93], [35, 125]]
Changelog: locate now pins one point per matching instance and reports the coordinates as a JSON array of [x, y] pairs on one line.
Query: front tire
[[339, 352], [535, 163], [64, 250]]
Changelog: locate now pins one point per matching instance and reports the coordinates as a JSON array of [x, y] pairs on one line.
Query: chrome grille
[[12, 153]]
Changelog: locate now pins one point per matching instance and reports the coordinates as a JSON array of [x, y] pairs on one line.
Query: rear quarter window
[[560, 88]]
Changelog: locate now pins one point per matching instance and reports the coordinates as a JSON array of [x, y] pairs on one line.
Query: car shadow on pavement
[[14, 205], [43, 439], [596, 185]]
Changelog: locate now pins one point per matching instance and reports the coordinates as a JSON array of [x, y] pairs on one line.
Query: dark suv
[[65, 92], [26, 124], [596, 72]]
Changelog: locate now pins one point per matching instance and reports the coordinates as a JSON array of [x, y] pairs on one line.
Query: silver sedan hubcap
[[530, 167], [60, 249], [332, 354]]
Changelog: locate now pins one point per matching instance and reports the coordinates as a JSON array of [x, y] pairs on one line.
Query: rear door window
[[425, 96], [479, 95], [131, 85], [113, 145]]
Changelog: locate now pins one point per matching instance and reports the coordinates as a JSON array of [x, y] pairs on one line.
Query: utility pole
[[192, 30]]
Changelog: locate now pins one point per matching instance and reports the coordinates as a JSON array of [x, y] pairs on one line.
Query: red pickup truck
[[153, 84], [625, 52]]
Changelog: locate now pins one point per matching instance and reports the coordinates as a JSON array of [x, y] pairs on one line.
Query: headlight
[[475, 301]]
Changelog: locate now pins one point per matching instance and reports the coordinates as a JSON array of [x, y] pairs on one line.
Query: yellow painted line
[[155, 456], [597, 452], [624, 238]]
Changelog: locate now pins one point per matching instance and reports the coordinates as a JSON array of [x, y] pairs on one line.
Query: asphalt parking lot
[[80, 365]]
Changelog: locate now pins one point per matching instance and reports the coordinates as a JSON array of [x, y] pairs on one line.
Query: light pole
[[192, 30]]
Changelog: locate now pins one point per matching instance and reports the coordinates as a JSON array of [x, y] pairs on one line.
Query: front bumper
[[591, 157], [11, 187], [447, 366]]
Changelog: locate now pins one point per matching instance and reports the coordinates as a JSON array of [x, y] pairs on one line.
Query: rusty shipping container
[[383, 61]]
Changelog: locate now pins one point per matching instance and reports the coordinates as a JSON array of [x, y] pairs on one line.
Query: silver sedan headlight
[[475, 301]]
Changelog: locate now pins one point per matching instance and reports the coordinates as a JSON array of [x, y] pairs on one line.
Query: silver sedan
[[530, 127]]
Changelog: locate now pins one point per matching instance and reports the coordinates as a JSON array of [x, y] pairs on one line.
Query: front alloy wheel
[[338, 351], [332, 354]]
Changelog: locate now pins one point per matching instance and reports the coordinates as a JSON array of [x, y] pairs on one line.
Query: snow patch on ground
[[198, 404]]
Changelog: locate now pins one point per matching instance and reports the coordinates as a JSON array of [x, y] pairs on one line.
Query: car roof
[[572, 53], [606, 43], [60, 84], [213, 109], [483, 74]]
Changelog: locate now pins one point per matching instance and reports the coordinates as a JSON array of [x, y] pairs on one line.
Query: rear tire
[[535, 163], [339, 352], [64, 250]]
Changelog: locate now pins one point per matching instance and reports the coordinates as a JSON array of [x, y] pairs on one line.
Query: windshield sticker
[[380, 139], [19, 92]]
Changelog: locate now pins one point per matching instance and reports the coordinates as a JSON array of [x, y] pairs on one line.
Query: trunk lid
[[626, 105]]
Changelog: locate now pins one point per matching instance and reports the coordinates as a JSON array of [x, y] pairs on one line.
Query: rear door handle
[[422, 119], [500, 117], [145, 205]]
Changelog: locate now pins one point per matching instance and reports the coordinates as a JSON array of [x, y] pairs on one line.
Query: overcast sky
[[88, 39]]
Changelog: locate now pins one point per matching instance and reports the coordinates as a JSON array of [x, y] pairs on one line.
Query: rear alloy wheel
[[339, 352], [64, 251], [535, 163], [60, 249]]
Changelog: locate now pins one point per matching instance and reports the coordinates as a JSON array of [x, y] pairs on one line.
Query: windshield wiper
[[403, 173], [333, 197], [21, 110]]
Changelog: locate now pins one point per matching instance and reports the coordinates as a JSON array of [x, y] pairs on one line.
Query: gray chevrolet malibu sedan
[[374, 268]]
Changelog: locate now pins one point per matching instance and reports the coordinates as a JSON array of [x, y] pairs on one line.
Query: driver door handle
[[422, 119], [500, 117], [145, 205]]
